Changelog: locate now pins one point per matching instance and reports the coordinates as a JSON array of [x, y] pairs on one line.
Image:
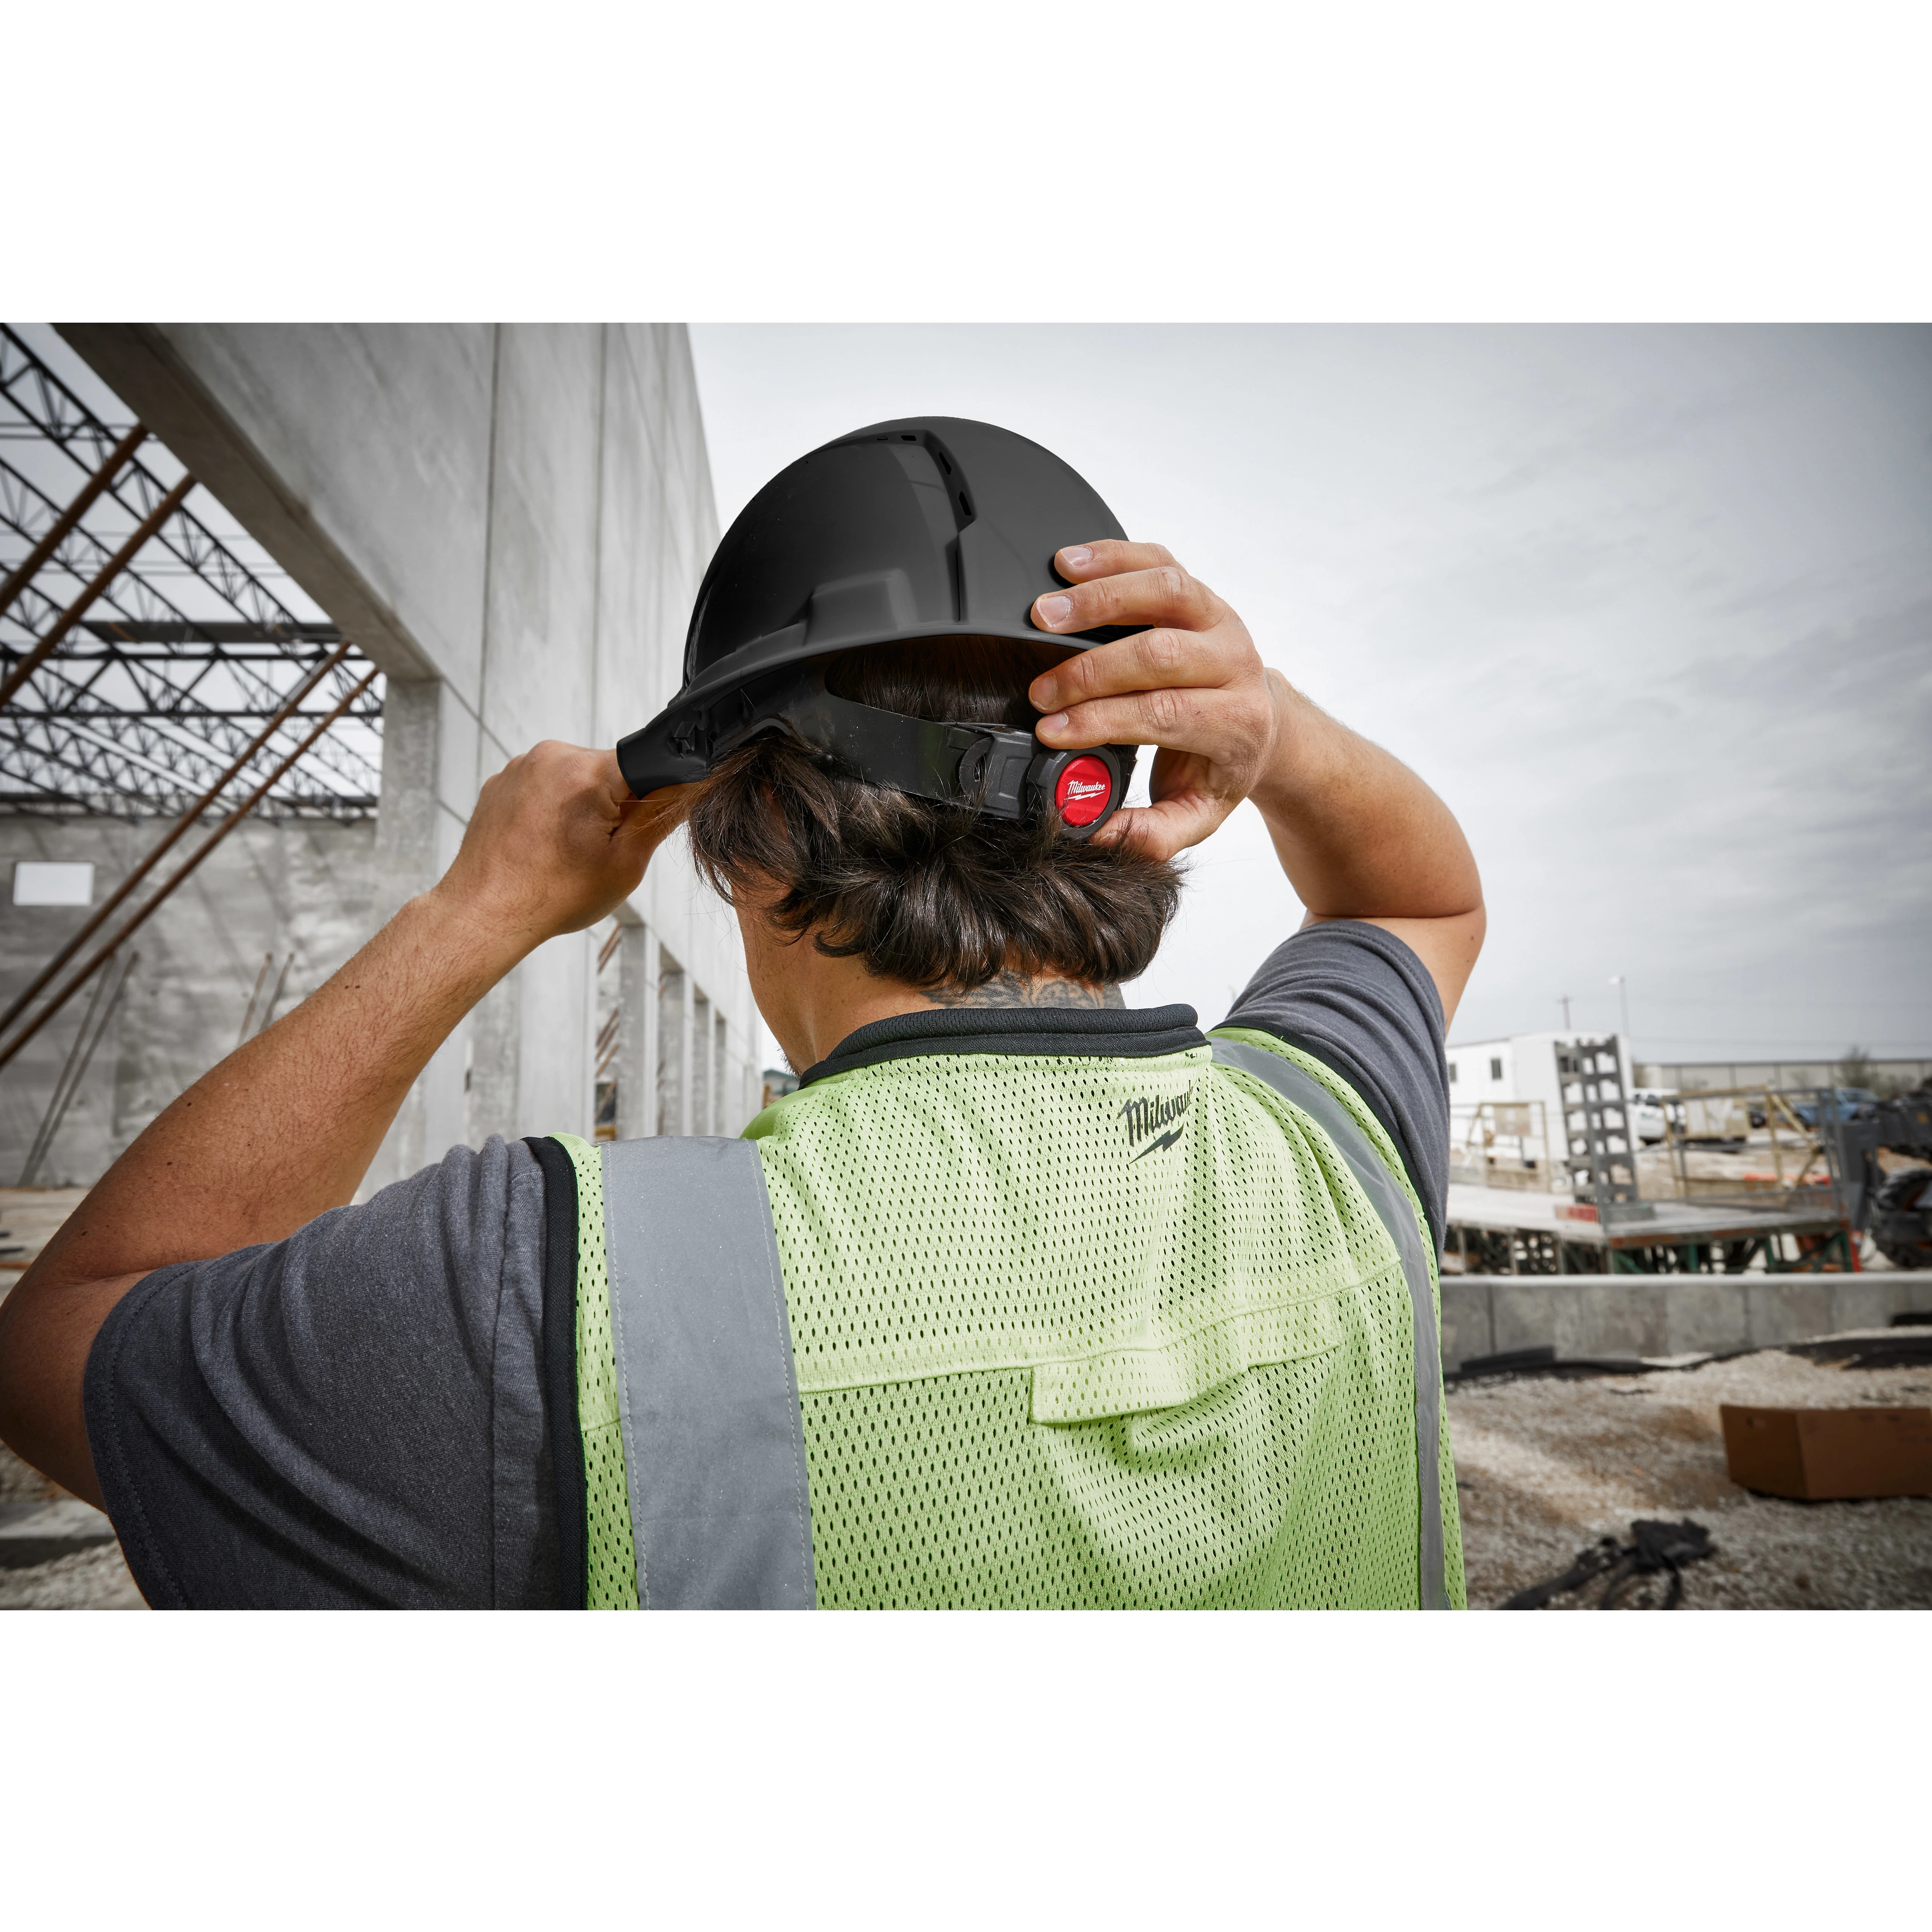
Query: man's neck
[[811, 1000], [1014, 989], [847, 1000]]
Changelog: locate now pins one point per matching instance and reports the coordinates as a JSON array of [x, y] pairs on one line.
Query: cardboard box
[[1819, 1454]]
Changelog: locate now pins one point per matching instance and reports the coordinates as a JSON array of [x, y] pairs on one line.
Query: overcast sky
[[1650, 607]]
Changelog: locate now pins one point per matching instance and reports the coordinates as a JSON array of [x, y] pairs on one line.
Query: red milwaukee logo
[[1082, 793]]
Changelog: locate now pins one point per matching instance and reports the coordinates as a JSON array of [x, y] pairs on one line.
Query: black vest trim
[[1094, 1033], [559, 1368]]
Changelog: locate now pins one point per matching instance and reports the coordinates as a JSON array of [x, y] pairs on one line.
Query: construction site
[[278, 601]]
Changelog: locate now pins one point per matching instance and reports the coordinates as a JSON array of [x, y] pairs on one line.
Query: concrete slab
[[1586, 1315], [1707, 1315], [1657, 1316], [1469, 1327], [1783, 1307]]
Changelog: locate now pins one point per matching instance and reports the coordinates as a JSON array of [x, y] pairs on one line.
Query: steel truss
[[143, 704]]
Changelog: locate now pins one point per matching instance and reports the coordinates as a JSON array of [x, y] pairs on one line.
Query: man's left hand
[[1191, 683]]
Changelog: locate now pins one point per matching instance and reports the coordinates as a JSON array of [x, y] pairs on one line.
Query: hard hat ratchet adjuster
[[1004, 773]]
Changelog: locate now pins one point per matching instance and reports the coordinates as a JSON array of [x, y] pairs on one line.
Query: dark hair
[[934, 895]]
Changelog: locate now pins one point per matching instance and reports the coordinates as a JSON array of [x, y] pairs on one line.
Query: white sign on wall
[[37, 882]]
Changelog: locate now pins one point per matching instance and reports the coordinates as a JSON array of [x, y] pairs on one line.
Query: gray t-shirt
[[356, 1415], [1359, 1001]]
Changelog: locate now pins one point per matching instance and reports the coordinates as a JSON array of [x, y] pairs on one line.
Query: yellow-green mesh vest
[[1079, 1332]]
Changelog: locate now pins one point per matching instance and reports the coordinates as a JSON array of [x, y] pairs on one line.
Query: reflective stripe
[[1386, 1196], [714, 1449]]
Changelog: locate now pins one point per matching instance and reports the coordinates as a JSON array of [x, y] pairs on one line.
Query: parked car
[[1646, 1106], [1848, 1099]]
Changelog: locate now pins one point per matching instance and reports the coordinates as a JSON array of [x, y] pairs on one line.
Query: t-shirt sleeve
[[352, 1416], [1356, 998]]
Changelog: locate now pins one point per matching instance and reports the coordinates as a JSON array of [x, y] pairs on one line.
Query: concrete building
[[511, 522]]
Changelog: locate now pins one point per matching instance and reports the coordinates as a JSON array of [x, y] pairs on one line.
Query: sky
[[1650, 607]]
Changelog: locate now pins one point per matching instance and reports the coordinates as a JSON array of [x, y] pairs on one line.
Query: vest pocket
[[1129, 1380]]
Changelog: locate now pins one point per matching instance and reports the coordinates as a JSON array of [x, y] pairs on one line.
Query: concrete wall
[[1698, 1076], [301, 894], [1663, 1315], [513, 522]]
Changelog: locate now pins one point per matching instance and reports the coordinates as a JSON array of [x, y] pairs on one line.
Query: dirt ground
[[1546, 1464]]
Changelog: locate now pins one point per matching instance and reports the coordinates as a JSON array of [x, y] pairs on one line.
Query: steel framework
[[175, 662]]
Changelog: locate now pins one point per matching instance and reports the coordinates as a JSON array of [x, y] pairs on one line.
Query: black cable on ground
[[1653, 1547]]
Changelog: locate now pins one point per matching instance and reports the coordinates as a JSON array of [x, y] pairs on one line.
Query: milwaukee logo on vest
[[1149, 1116]]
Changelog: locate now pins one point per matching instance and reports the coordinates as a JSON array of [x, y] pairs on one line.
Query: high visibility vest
[[978, 1329]]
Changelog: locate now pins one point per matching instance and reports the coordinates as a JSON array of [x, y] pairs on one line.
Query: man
[[1024, 1298]]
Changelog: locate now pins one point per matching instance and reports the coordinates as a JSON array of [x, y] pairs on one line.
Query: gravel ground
[[93, 1579], [1546, 1464], [89, 1579]]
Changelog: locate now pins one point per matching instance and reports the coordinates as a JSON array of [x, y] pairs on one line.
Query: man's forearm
[[1359, 835]]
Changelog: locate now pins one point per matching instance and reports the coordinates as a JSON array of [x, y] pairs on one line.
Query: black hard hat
[[935, 526]]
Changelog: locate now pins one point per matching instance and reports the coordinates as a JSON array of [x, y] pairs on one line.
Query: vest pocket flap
[[1128, 1380]]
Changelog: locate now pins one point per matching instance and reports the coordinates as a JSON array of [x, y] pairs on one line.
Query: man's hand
[[556, 842], [1358, 834], [1192, 684]]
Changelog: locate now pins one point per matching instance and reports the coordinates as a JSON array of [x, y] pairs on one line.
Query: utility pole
[[1563, 1000], [1629, 1051]]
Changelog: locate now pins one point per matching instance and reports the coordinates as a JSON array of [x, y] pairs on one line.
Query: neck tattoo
[[1014, 989]]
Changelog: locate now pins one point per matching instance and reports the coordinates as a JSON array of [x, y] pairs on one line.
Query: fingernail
[[1078, 553], [1054, 609], [1056, 724]]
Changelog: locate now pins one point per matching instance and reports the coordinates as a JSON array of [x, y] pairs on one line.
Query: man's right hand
[[1358, 834], [1191, 683]]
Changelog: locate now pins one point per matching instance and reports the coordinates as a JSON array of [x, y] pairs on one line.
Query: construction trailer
[[1517, 1068]]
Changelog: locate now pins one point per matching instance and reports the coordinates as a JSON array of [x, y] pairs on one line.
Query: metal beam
[[165, 845], [86, 971], [144, 366], [64, 523], [137, 707], [82, 605], [80, 1057]]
